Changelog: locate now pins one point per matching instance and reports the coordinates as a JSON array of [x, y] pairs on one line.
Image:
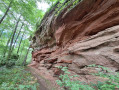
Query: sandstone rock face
[[87, 34]]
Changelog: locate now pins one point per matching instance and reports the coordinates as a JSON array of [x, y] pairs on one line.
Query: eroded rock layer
[[87, 34]]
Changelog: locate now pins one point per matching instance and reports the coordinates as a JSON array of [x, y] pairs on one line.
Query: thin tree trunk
[[1, 33], [20, 42], [4, 54], [11, 43], [20, 55], [6, 12], [24, 62], [17, 37]]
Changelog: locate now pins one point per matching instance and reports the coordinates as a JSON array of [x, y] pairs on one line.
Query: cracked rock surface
[[87, 34]]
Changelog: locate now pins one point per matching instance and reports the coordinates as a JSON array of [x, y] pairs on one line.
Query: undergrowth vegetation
[[17, 78], [67, 81], [12, 61], [8, 63], [69, 4]]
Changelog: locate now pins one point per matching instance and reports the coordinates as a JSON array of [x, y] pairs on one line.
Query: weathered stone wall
[[87, 34]]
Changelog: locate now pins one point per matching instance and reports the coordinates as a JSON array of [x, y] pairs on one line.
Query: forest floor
[[18, 78]]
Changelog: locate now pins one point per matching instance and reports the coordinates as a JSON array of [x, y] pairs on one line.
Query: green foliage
[[2, 61], [67, 81], [30, 14], [63, 4], [61, 1], [111, 83], [17, 78], [10, 62]]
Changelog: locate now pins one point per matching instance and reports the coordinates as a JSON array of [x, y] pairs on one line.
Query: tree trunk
[[6, 12], [10, 50], [5, 50], [4, 54], [24, 62], [20, 42], [21, 50], [17, 37], [1, 33]]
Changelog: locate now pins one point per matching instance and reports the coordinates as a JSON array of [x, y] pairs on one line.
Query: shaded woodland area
[[17, 24]]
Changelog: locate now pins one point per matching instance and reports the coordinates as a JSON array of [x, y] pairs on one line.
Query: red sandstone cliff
[[87, 34]]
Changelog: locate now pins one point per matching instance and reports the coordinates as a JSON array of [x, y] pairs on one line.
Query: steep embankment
[[86, 34]]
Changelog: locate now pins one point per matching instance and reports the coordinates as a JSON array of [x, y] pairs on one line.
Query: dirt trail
[[42, 82]]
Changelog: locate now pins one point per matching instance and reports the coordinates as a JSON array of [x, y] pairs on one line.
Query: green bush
[[14, 56], [10, 62], [113, 79], [19, 63], [66, 81], [2, 61]]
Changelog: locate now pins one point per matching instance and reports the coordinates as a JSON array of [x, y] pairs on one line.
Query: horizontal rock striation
[[84, 35]]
